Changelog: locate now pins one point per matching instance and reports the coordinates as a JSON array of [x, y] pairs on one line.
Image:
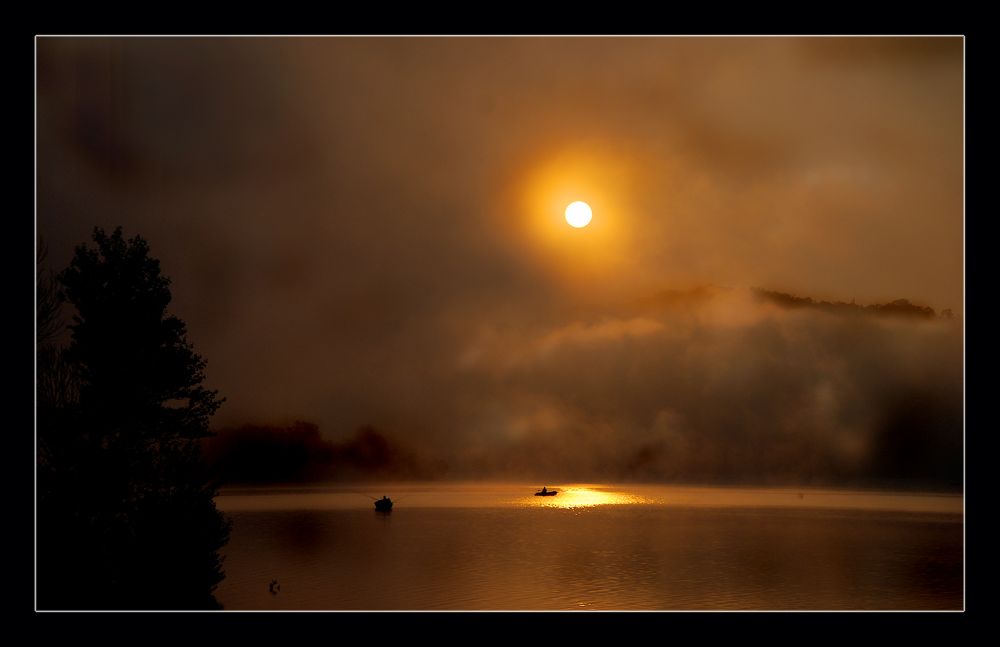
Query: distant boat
[[384, 504], [546, 492]]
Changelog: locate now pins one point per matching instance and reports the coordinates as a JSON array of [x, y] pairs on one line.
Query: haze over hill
[[707, 385]]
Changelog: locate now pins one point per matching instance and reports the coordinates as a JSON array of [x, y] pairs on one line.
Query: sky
[[369, 231]]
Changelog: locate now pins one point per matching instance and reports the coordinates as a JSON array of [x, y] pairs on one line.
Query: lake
[[461, 546]]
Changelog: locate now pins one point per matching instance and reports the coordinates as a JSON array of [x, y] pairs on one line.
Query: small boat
[[546, 492], [384, 504]]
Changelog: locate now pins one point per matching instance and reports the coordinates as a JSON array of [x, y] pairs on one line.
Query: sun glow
[[589, 255], [578, 214]]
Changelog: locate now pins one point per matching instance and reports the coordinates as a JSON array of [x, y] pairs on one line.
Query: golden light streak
[[579, 496]]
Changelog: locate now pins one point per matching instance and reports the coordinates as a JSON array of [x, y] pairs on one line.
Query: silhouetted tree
[[270, 454], [126, 519], [48, 300], [53, 375]]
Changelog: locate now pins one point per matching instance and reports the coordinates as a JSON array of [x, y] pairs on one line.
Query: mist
[[710, 385], [727, 388], [355, 232]]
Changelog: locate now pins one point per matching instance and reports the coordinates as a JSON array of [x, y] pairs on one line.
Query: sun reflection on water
[[581, 496]]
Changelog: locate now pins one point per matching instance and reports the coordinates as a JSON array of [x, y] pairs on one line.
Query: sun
[[578, 214]]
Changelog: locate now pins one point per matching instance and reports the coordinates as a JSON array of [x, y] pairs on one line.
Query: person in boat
[[386, 500], [544, 489]]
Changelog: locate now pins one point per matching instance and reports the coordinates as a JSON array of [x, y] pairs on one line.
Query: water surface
[[597, 547]]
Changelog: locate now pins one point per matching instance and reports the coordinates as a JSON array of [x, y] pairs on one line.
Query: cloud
[[582, 334], [345, 224], [740, 392]]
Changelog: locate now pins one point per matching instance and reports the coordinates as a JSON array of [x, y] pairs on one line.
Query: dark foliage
[[262, 454], [55, 379], [915, 443], [269, 454], [897, 308], [48, 311], [125, 517]]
